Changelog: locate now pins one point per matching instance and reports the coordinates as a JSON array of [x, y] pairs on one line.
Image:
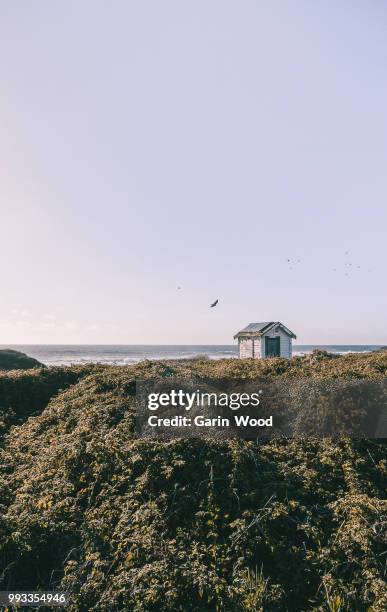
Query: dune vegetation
[[123, 523], [15, 360]]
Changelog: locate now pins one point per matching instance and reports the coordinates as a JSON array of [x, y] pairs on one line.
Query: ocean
[[126, 354]]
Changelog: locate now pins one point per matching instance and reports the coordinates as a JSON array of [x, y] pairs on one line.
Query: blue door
[[272, 347]]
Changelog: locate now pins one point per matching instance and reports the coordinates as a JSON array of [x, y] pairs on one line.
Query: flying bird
[[214, 304]]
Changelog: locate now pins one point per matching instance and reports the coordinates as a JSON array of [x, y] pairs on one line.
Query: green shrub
[[129, 524]]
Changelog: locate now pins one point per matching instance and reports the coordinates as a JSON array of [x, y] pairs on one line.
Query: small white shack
[[268, 339]]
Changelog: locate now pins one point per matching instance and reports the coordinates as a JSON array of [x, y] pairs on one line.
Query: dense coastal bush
[[15, 360], [24, 393], [129, 524]]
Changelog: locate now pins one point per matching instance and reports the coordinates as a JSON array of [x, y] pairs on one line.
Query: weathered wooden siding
[[257, 348], [245, 348]]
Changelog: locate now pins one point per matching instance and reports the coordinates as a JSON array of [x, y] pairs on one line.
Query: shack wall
[[285, 342]]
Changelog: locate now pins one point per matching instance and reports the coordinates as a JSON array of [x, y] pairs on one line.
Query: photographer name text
[[202, 421]]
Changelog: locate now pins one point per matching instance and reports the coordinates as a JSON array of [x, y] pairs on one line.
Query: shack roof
[[258, 329]]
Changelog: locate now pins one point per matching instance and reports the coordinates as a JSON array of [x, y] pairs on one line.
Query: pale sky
[[146, 145]]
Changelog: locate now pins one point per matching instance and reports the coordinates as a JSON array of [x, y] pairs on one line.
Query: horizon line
[[147, 344]]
